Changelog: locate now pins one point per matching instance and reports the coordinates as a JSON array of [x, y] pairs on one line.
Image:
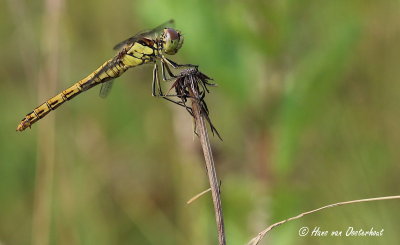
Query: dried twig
[[212, 175], [42, 216], [197, 196], [191, 85], [261, 235]]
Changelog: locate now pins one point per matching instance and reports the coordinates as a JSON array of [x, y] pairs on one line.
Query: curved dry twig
[[261, 235]]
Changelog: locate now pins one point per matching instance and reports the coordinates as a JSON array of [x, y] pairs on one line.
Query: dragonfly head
[[172, 41]]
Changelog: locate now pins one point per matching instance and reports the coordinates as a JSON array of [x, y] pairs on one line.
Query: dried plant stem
[[197, 196], [261, 235], [44, 183], [210, 167]]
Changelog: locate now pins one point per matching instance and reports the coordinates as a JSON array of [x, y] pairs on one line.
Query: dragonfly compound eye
[[173, 41]]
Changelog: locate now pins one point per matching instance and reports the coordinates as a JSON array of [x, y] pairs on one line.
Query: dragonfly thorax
[[172, 41]]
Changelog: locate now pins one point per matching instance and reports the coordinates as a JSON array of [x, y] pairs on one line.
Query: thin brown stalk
[[44, 183], [191, 85], [210, 166], [261, 235]]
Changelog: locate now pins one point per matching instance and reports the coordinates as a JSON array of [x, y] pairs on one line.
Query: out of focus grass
[[307, 103]]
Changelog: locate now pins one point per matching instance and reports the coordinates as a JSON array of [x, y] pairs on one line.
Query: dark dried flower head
[[192, 84]]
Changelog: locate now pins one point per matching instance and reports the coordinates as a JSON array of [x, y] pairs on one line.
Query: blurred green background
[[308, 106]]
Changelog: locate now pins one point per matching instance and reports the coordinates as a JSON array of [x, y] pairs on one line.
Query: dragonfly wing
[[105, 89], [144, 34]]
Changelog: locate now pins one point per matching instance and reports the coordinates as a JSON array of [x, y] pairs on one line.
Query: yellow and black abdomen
[[141, 52], [51, 104], [104, 73]]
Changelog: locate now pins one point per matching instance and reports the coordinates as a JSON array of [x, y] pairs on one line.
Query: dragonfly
[[146, 47]]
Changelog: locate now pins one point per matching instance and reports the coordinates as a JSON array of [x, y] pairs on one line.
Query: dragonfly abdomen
[[51, 104], [109, 70], [139, 53], [99, 76]]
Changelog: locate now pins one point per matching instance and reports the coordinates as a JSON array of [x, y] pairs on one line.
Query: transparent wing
[[105, 89], [141, 34]]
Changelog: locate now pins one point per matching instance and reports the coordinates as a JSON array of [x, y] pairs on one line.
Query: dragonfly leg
[[165, 66], [176, 65], [177, 96], [180, 104], [173, 95], [163, 72], [153, 84], [156, 82]]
